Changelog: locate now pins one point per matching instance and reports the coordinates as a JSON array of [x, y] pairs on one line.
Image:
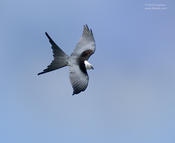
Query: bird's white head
[[88, 65]]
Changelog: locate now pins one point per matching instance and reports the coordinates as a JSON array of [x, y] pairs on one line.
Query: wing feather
[[79, 79], [86, 45]]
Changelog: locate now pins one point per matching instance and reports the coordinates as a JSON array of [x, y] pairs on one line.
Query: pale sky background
[[131, 92]]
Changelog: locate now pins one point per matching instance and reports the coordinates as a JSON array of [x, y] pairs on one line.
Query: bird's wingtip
[[86, 26], [40, 73], [46, 34]]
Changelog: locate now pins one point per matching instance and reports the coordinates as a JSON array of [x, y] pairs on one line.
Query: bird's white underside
[[88, 65]]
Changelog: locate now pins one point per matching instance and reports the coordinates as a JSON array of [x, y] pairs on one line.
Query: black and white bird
[[77, 61]]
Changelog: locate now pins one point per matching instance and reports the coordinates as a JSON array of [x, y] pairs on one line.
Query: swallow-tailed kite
[[77, 61]]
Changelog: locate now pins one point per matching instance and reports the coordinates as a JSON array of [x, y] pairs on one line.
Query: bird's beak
[[92, 67]]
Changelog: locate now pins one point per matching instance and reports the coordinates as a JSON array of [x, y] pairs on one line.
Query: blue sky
[[131, 94]]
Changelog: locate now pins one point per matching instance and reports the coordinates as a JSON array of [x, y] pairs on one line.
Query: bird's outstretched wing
[[84, 49], [60, 58], [86, 45], [78, 78]]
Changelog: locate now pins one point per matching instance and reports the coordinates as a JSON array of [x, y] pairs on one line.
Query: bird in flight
[[77, 61]]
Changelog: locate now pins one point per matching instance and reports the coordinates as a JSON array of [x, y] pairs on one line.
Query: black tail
[[60, 58]]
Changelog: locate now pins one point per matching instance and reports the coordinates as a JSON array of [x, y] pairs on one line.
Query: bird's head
[[88, 65]]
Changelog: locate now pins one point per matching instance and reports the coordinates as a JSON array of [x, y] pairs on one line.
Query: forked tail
[[60, 58]]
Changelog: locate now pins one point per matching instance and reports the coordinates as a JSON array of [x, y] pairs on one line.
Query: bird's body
[[77, 62]]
